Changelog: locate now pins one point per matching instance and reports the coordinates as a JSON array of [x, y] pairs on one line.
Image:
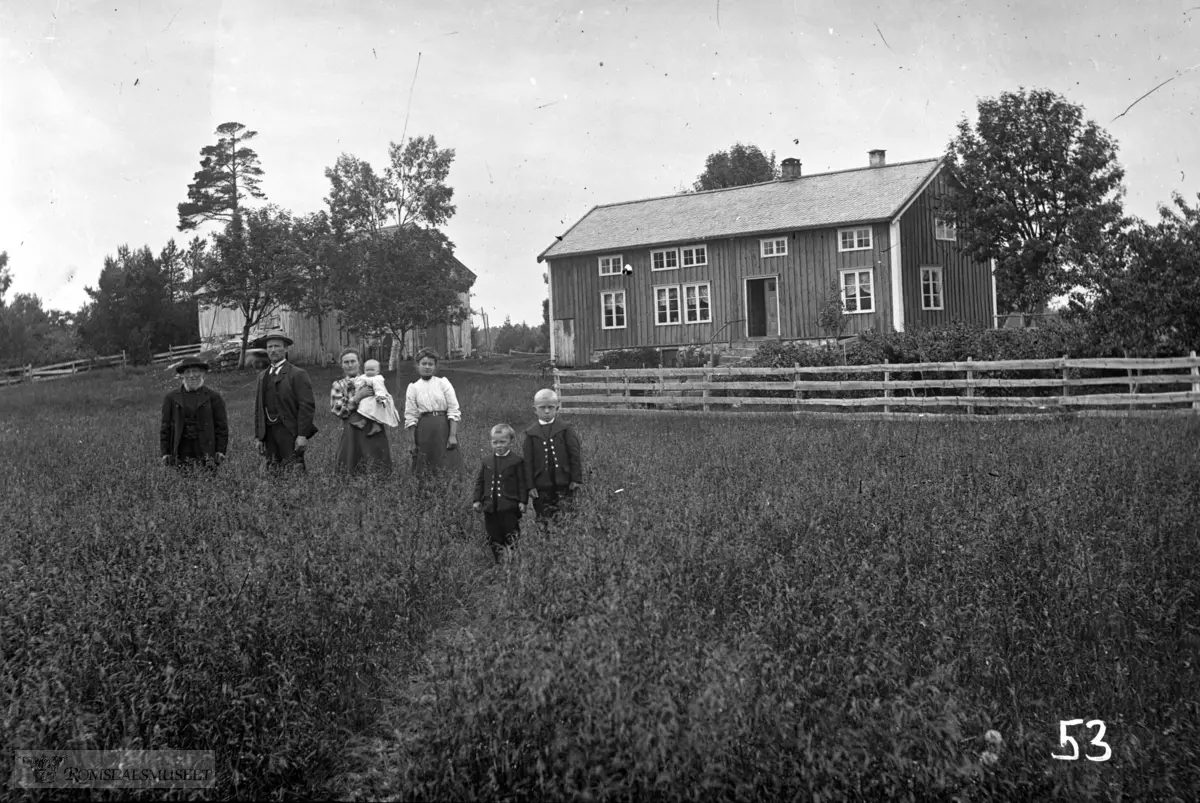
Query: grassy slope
[[764, 609]]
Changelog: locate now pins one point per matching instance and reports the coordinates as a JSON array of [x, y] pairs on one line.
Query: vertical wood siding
[[966, 284], [219, 322], [804, 274]]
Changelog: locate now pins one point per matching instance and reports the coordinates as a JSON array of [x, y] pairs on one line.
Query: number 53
[[1063, 739]]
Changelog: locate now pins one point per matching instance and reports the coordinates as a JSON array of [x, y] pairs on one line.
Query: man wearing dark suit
[[195, 429], [283, 407]]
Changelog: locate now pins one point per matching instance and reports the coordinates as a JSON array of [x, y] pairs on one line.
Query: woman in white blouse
[[431, 413]]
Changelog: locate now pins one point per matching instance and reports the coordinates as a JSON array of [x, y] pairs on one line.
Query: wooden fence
[[1028, 387], [176, 353], [30, 373]]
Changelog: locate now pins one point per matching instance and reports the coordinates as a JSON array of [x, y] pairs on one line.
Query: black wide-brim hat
[[191, 362], [261, 343]]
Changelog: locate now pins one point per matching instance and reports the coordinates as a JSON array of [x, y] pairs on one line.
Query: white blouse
[[427, 396]]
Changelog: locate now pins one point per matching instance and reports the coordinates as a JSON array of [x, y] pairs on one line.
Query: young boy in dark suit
[[500, 492], [552, 457]]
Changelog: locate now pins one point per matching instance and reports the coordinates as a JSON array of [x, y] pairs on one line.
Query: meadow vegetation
[[737, 609]]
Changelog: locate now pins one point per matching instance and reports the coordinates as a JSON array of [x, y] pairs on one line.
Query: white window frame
[[774, 242], [667, 288], [691, 250], [664, 252], [854, 232], [870, 285], [708, 295], [944, 230], [623, 305], [934, 271], [614, 261]]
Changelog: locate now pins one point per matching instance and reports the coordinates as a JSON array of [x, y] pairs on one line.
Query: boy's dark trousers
[[549, 501], [502, 530]]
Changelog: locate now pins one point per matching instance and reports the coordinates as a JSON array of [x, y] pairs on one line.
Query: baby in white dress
[[379, 408]]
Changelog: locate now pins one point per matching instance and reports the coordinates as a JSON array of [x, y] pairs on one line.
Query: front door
[[564, 341], [762, 307]]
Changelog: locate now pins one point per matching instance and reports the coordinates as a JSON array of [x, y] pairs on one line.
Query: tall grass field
[[735, 609]]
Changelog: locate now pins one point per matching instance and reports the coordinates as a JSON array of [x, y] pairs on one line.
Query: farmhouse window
[[773, 247], [665, 259], [696, 307], [610, 265], [857, 292], [943, 230], [931, 288], [666, 302], [695, 255], [612, 305], [854, 239]]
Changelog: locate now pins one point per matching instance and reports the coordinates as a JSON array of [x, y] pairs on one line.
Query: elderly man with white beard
[[195, 429]]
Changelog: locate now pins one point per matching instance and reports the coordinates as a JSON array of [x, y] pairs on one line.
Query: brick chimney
[[790, 169], [877, 158]]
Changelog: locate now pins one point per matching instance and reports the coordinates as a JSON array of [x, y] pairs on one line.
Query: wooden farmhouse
[[748, 264], [320, 342]]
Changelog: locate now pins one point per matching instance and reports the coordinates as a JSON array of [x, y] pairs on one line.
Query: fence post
[[970, 389], [1065, 378], [887, 392], [799, 394], [122, 358], [1195, 382], [708, 377]]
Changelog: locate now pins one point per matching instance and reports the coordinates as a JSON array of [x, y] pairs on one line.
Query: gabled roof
[[860, 195]]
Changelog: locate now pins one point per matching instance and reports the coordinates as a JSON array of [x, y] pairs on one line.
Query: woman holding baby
[[361, 400]]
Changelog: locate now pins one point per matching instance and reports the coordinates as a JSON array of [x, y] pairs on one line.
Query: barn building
[[744, 265], [318, 342]]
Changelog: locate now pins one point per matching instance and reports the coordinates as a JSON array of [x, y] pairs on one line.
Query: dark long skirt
[[432, 432], [360, 453]]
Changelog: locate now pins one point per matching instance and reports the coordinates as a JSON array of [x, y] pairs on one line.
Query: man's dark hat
[[261, 343], [191, 361]]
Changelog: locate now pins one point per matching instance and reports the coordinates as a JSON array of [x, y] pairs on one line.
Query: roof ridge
[[756, 184]]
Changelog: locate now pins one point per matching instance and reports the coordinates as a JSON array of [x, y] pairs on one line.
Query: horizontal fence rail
[[1080, 386], [58, 370], [176, 353]]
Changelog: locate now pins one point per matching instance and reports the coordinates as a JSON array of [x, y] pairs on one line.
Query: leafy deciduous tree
[[319, 258], [1145, 296], [399, 280], [1040, 190], [253, 267], [229, 172], [740, 165]]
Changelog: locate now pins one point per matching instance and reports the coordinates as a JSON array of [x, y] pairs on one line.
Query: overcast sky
[[552, 107]]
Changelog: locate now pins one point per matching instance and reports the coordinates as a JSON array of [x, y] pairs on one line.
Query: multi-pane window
[[694, 255], [610, 265], [612, 305], [664, 260], [696, 306], [857, 292], [931, 288], [854, 239], [773, 247], [944, 230], [666, 305]]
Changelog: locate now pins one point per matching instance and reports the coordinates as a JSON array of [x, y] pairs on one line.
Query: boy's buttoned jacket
[[503, 477], [552, 456]]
